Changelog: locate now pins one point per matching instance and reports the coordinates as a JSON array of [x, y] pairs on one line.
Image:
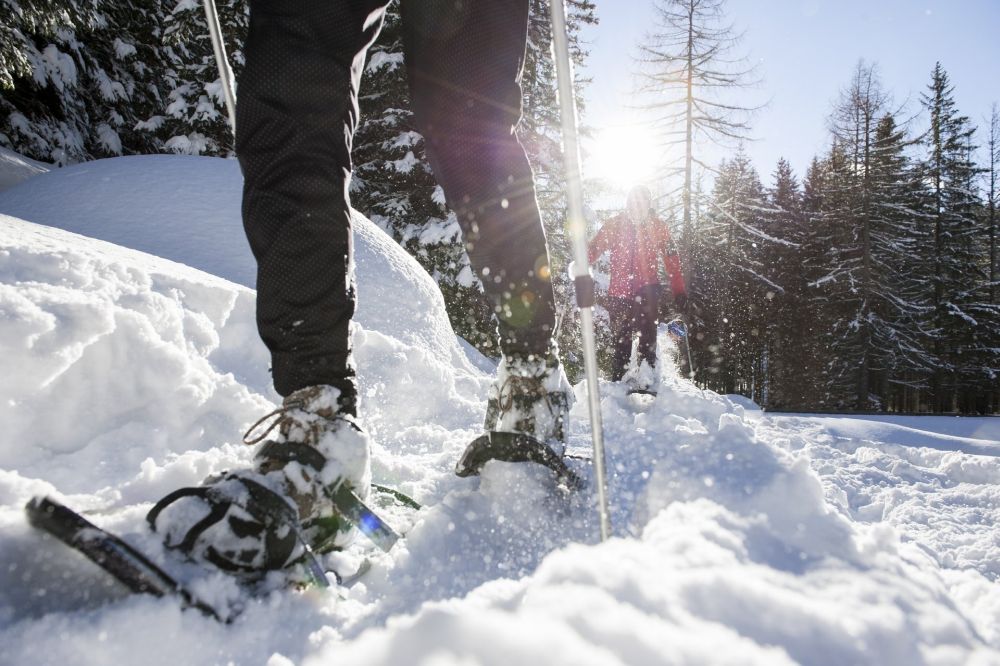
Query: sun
[[622, 155]]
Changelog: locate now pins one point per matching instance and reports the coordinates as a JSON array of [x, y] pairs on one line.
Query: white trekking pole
[[578, 233], [687, 346], [222, 62]]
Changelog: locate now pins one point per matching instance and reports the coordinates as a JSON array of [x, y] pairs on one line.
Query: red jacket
[[635, 253]]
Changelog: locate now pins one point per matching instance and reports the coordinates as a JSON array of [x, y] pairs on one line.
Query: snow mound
[[187, 209], [112, 358]]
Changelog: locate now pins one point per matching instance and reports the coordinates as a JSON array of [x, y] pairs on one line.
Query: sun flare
[[623, 155]]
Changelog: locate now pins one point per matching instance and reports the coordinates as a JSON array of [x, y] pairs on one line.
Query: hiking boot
[[531, 395], [270, 517]]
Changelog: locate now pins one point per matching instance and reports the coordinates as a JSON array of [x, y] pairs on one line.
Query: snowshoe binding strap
[[514, 447], [677, 328], [271, 515]]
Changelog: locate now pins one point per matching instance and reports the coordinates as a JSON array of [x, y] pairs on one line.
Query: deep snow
[[740, 537]]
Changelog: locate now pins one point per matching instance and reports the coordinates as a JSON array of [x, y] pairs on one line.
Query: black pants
[[631, 317], [297, 112]]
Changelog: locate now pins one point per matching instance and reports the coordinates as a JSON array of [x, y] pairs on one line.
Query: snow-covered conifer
[[959, 282], [77, 77]]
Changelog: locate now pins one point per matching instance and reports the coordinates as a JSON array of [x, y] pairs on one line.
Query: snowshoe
[[514, 447], [137, 571], [305, 494], [526, 416]]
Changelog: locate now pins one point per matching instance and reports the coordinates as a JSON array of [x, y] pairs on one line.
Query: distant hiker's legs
[[623, 326], [464, 63], [647, 310], [297, 114]]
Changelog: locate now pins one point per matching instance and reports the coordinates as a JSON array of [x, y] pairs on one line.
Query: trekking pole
[[222, 62], [583, 280], [687, 346], [678, 331]]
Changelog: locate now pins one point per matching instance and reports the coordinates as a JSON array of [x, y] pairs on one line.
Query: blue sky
[[806, 51]]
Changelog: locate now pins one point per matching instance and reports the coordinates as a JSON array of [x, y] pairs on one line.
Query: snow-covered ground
[[740, 537], [15, 168]]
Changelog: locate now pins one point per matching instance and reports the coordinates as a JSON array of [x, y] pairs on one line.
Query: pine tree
[[77, 76], [788, 324], [192, 118], [954, 330], [873, 219], [899, 223], [992, 172], [854, 123], [991, 220], [833, 265], [730, 282], [815, 240]]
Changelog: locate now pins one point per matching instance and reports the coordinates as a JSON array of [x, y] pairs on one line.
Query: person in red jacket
[[638, 241]]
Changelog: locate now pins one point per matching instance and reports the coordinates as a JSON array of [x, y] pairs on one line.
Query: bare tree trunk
[[688, 148], [690, 66]]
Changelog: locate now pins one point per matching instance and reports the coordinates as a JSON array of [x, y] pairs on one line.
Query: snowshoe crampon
[[514, 447]]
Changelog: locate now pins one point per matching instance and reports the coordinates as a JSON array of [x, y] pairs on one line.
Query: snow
[[187, 209], [109, 138], [438, 196], [56, 67], [131, 366], [15, 167], [123, 49], [406, 164], [380, 59]]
